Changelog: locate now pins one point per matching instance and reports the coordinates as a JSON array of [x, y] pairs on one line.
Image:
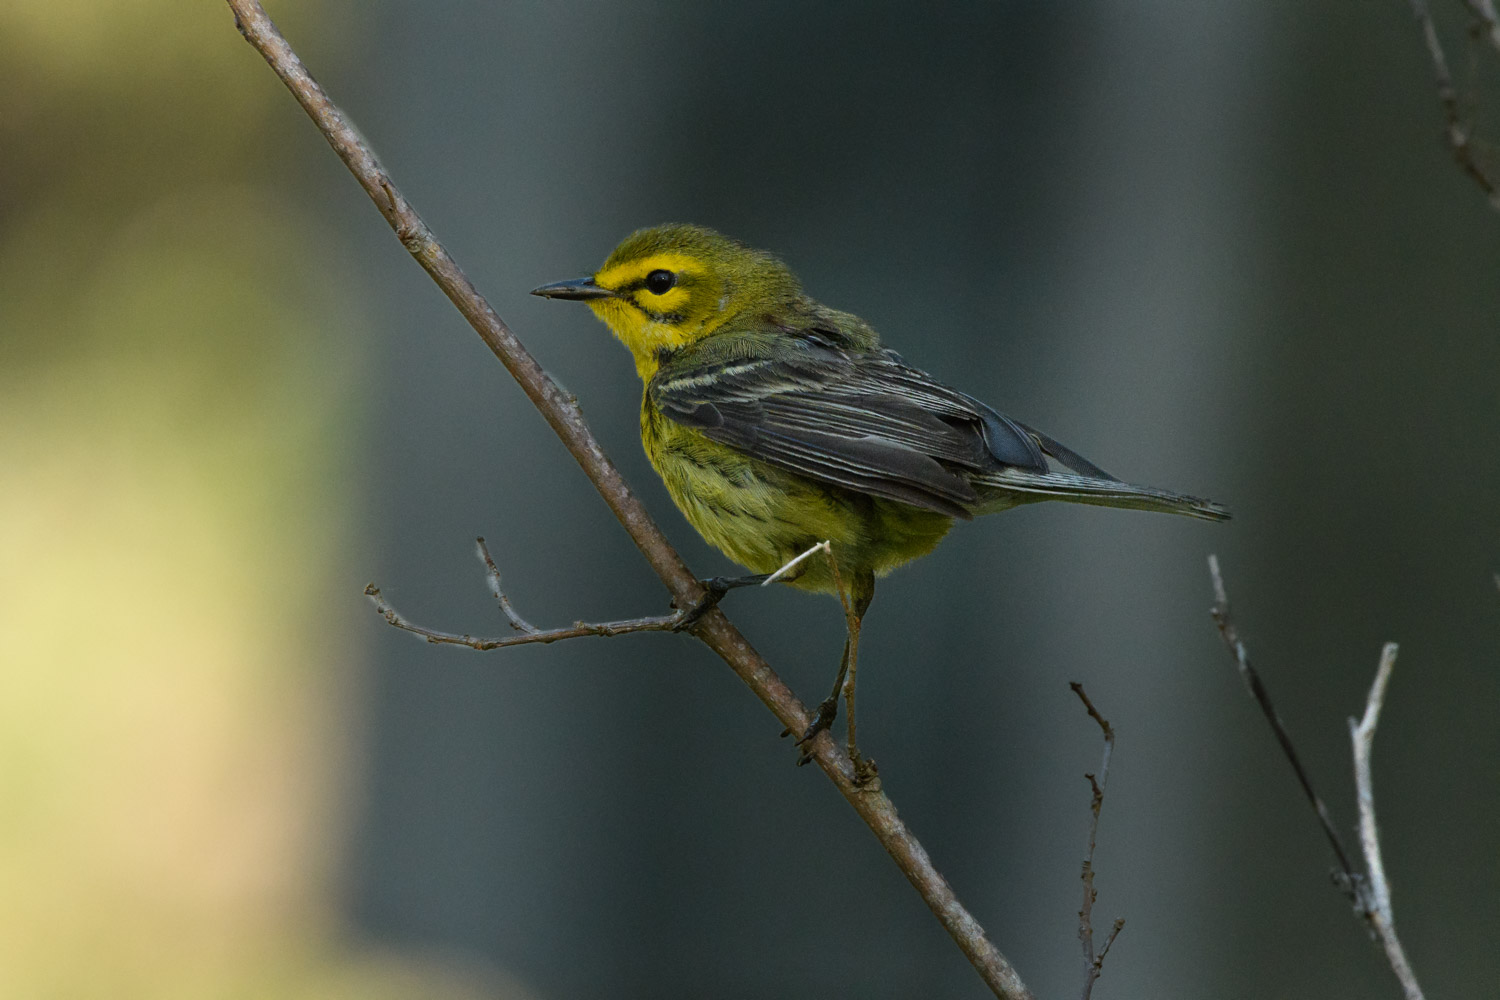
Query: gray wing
[[866, 422]]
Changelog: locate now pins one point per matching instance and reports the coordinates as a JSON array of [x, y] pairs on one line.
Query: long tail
[[1010, 487]]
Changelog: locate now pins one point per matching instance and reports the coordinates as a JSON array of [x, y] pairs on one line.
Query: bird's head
[[669, 286]]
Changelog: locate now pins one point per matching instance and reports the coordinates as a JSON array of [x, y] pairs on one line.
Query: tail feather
[[1010, 487]]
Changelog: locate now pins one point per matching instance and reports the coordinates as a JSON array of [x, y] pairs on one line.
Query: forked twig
[[1377, 894], [492, 577], [1370, 893], [1346, 878], [562, 415], [529, 633], [1093, 965], [1458, 131]]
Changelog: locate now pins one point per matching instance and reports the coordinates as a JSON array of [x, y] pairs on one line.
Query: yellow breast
[[762, 517]]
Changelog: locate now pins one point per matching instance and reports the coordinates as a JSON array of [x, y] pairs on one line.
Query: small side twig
[[1093, 965], [492, 577], [1456, 129], [1377, 895], [1370, 894], [794, 562], [529, 633], [1347, 879]]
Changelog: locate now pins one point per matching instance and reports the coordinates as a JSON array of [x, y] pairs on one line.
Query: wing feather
[[863, 421]]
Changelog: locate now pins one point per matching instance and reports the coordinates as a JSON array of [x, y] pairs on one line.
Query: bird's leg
[[854, 613], [864, 769], [828, 709], [853, 658], [714, 590]]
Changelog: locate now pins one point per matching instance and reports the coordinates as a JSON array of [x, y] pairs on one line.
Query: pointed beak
[[579, 288]]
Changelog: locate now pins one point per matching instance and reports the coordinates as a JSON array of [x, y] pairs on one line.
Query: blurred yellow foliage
[[175, 405]]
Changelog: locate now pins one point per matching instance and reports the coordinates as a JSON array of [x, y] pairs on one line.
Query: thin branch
[[577, 630], [1370, 894], [1346, 877], [529, 633], [1377, 893], [562, 414], [1456, 129], [795, 561], [492, 577], [1093, 965]]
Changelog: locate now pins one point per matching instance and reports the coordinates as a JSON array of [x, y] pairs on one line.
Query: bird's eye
[[659, 281]]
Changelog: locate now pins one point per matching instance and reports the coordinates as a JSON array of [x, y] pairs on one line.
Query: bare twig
[[793, 563], [492, 577], [578, 630], [1093, 965], [562, 414], [1377, 894], [529, 633], [1369, 893], [1346, 877], [1457, 130]]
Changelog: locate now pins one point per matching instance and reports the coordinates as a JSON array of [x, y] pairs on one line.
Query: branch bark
[[563, 416]]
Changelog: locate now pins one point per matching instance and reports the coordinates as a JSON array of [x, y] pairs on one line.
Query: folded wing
[[864, 421]]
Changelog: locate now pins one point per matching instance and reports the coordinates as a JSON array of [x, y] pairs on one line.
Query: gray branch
[[1377, 891]]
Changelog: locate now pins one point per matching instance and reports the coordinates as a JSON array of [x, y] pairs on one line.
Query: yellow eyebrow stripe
[[632, 271]]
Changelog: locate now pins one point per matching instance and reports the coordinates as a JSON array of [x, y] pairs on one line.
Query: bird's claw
[[714, 590], [828, 710]]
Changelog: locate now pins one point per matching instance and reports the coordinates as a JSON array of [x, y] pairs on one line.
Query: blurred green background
[[1215, 247]]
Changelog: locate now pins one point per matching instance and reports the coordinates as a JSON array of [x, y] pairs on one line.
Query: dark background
[[1214, 247]]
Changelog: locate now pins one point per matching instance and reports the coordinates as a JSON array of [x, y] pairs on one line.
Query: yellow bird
[[777, 423]]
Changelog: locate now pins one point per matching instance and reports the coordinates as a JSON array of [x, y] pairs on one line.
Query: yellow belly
[[762, 517]]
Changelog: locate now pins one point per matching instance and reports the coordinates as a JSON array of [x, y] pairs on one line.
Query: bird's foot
[[714, 589], [828, 710], [866, 774], [713, 592]]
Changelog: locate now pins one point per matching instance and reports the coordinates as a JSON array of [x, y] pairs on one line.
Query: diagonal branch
[[562, 414], [1346, 877]]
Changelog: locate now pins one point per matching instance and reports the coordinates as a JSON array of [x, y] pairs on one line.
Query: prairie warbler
[[777, 423]]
